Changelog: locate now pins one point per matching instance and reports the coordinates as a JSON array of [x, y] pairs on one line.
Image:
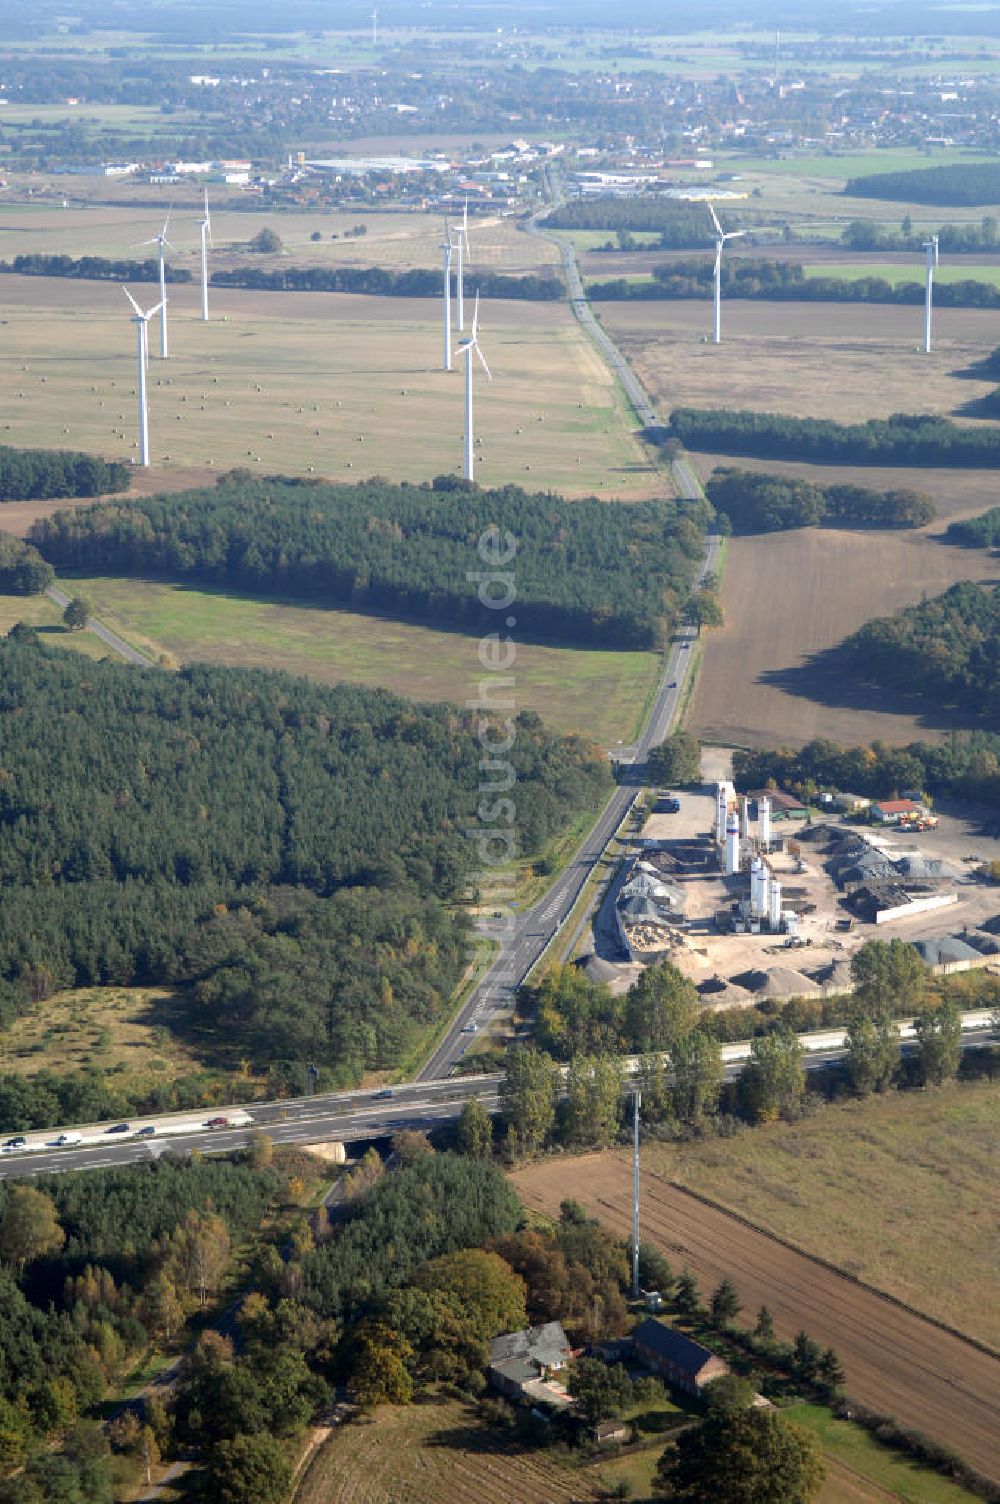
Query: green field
[[39, 612], [601, 695], [926, 1160], [850, 164], [894, 272], [846, 1446]]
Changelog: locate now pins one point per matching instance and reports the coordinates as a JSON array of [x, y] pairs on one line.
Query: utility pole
[[636, 1101]]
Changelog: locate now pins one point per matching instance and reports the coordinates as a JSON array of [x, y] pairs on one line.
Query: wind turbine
[[462, 246], [161, 241], [205, 226], [466, 348], [931, 247], [720, 240], [374, 28], [141, 322], [447, 247]]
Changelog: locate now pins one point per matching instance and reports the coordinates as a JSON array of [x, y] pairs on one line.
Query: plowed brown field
[[895, 1362]]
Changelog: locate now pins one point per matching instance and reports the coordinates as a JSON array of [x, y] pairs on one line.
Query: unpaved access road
[[896, 1362]]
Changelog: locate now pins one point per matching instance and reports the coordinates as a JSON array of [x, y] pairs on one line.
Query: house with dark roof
[[523, 1365], [677, 1358]]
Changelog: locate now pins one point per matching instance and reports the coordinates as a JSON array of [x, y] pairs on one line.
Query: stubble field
[[770, 676], [896, 1362], [337, 385]]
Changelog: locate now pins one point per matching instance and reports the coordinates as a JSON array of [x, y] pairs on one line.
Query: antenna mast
[[636, 1100]]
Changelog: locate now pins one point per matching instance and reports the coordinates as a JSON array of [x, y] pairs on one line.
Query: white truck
[[237, 1119]]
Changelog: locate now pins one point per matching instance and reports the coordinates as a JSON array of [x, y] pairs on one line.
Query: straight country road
[[107, 636]]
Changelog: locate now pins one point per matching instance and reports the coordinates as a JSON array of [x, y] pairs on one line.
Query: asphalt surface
[[354, 1117], [110, 639], [524, 938]]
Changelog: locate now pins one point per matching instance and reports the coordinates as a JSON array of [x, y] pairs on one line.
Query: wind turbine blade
[[482, 357], [715, 219], [166, 222], [132, 300], [734, 235], [475, 319], [153, 311]]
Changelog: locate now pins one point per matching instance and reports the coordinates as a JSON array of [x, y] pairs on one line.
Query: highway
[[524, 939], [357, 1116]]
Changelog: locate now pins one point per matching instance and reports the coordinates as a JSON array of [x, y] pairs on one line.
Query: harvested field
[[338, 385], [436, 1453], [896, 1362], [845, 361], [770, 676]]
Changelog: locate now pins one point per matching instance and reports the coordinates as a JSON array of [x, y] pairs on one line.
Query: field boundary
[[830, 1267]]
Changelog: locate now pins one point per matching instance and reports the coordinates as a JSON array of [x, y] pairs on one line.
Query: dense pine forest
[[902, 439], [947, 649], [613, 576], [36, 474], [755, 502], [786, 281], [292, 851], [962, 183], [419, 282]]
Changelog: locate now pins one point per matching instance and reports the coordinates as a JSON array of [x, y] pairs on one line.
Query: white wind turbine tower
[[205, 226], [141, 322], [467, 348], [931, 247], [447, 247], [720, 240], [463, 249], [161, 242]]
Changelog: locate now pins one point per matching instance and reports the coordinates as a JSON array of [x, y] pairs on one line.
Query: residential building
[[680, 1360]]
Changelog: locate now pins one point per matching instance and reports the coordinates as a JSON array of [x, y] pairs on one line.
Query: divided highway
[[355, 1116]]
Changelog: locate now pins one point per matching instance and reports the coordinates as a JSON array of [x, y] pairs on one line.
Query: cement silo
[[764, 821], [732, 844]]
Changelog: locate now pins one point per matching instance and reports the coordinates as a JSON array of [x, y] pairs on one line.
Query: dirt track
[[895, 1362]]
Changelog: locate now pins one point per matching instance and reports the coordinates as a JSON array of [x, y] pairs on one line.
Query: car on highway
[[11, 1145], [119, 1128], [672, 684], [471, 1029], [380, 1096], [67, 1140], [146, 1132]]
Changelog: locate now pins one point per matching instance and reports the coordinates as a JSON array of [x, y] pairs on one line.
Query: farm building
[[521, 1364], [679, 1359], [891, 811]]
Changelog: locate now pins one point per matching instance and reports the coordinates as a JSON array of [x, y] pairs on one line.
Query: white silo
[[732, 844], [764, 821], [774, 906], [745, 818], [721, 812], [758, 889], [790, 920]]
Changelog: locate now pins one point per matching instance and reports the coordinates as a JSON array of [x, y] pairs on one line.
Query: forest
[[293, 853], [870, 235], [778, 281], [755, 502], [418, 282], [962, 184], [39, 474], [967, 766], [23, 571], [902, 439], [946, 649], [93, 268], [404, 549], [977, 532]]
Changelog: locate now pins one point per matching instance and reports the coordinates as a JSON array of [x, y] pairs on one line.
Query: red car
[[217, 1123]]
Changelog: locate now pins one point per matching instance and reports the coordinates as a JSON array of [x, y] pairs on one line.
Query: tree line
[[417, 282], [754, 502], [38, 474], [902, 439], [93, 268], [961, 184], [977, 532], [946, 649], [617, 576], [786, 281], [292, 852], [965, 765], [870, 235], [681, 226]]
